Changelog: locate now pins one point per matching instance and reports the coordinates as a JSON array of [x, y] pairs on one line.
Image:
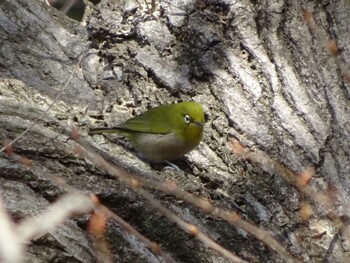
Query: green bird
[[163, 133]]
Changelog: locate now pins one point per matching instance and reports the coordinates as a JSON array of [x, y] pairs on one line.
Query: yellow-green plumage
[[163, 133]]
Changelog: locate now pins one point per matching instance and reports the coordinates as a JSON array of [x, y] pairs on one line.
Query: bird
[[163, 133]]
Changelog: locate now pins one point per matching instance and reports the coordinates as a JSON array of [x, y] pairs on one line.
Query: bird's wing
[[150, 122]]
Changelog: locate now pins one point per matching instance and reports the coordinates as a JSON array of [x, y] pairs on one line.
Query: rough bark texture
[[259, 72]]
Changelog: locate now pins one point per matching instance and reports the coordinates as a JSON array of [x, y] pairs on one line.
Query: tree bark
[[263, 77]]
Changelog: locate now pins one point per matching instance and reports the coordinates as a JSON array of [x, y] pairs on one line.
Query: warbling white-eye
[[163, 133]]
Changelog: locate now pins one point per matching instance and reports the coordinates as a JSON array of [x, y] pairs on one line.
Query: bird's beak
[[199, 124]]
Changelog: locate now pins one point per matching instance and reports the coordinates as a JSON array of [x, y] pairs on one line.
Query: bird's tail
[[104, 130]]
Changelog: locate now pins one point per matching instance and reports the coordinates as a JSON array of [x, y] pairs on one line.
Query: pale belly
[[161, 147]]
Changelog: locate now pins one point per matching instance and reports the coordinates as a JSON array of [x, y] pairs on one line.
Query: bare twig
[[300, 181], [331, 45], [67, 5], [191, 229], [136, 182], [155, 248], [55, 214], [11, 250], [50, 106], [60, 182]]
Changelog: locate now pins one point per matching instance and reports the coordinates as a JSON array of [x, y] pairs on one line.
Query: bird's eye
[[187, 119]]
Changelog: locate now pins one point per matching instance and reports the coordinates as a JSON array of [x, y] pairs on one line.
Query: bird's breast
[[161, 147]]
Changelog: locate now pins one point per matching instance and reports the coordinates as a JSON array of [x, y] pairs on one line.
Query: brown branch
[[135, 182], [60, 92]]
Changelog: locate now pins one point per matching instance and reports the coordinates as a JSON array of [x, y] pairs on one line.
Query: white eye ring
[[187, 119]]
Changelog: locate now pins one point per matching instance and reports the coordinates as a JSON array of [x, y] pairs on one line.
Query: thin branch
[[11, 250], [155, 248], [60, 182], [60, 92], [135, 181], [191, 229], [331, 45], [55, 214]]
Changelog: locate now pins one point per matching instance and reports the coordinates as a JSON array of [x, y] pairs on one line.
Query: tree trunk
[[264, 78]]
